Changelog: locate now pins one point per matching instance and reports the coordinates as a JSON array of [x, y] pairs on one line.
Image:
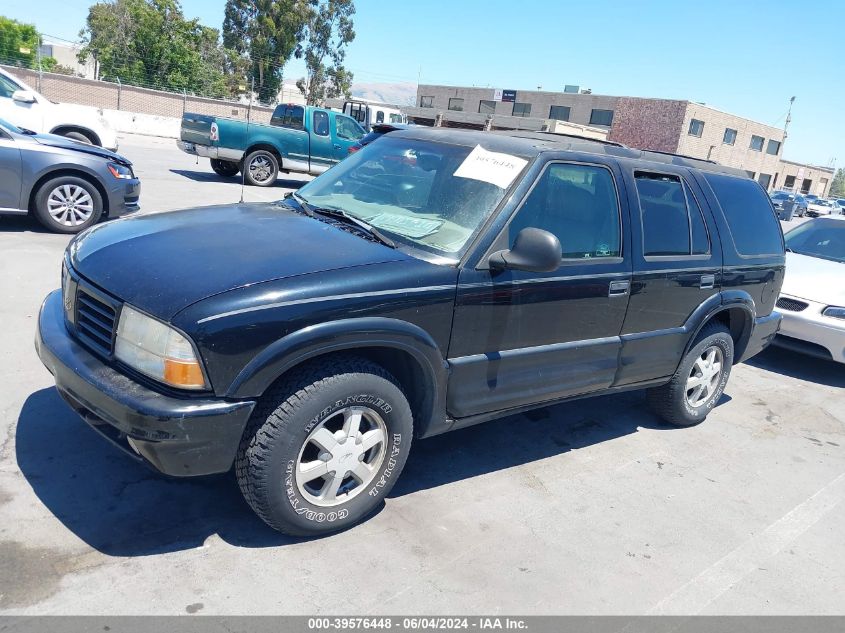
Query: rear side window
[[672, 222], [289, 116], [749, 214], [321, 123]]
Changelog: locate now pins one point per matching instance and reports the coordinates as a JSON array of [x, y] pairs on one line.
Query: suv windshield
[[819, 238], [410, 190]]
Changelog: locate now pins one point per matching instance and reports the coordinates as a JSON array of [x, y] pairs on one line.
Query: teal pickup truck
[[298, 139]]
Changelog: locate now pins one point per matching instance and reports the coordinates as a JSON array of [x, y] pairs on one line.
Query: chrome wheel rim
[[70, 205], [260, 169], [703, 380], [341, 456]]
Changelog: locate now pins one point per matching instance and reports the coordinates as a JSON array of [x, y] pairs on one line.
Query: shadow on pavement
[[121, 508], [210, 176], [800, 366]]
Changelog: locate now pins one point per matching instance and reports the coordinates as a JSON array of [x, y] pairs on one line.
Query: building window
[[559, 113], [730, 136], [805, 185], [601, 117], [789, 183], [426, 102], [486, 107], [456, 104], [521, 109], [773, 147], [765, 180], [757, 143], [696, 128], [751, 174]]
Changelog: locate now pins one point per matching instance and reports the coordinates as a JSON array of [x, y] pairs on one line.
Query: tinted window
[[749, 214], [321, 123], [578, 204], [347, 128], [289, 116], [559, 113], [819, 238], [666, 227], [698, 228]]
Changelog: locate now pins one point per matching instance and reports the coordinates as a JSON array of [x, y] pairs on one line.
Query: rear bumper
[[764, 332], [210, 151], [176, 436]]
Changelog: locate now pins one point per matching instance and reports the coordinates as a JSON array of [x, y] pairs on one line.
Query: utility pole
[[786, 123]]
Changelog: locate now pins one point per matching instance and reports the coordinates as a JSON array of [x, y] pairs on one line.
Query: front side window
[[601, 117], [409, 189], [578, 204], [379, 117], [348, 129], [748, 211], [730, 136], [757, 143], [559, 113], [457, 104], [321, 123], [773, 147], [7, 87], [426, 102], [486, 107], [521, 109], [696, 128]]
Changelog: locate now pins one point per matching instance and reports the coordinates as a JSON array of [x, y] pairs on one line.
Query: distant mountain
[[400, 93]]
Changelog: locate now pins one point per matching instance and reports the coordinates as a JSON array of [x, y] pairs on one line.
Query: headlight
[[121, 172], [834, 311], [157, 350]]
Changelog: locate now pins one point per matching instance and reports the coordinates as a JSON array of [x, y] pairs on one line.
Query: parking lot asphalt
[[591, 507]]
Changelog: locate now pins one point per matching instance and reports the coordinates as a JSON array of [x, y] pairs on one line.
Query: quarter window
[[672, 221], [749, 215], [696, 128], [601, 117], [559, 113], [757, 143], [521, 109], [578, 204], [456, 104], [730, 136]]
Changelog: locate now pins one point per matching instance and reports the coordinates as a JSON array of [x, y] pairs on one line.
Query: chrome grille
[[792, 305], [96, 319]]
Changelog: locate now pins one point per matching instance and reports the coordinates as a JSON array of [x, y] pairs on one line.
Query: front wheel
[[261, 168], [699, 381], [324, 447], [67, 204], [225, 168]]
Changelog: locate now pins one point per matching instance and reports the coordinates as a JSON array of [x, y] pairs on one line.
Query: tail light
[[353, 148], [214, 134]]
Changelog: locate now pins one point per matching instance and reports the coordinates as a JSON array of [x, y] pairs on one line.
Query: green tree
[[328, 31], [837, 187], [150, 43], [19, 45], [266, 33]]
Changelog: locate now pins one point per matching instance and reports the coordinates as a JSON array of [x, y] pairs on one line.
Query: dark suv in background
[[433, 280]]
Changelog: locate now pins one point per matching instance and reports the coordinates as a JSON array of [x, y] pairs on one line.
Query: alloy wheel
[[70, 205], [703, 380]]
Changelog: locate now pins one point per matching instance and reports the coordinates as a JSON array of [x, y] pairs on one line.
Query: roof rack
[[703, 160], [578, 137]]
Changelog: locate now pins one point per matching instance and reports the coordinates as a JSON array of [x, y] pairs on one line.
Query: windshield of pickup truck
[[430, 195]]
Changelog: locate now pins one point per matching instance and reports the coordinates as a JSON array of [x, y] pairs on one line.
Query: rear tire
[[325, 446], [697, 385], [67, 204], [261, 168], [225, 168]]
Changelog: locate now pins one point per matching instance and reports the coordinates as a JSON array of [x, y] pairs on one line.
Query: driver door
[[522, 338]]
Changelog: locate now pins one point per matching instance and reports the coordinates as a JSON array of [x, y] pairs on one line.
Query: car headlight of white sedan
[[157, 350]]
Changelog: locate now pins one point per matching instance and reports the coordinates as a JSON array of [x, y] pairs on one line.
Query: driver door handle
[[707, 282], [619, 288]]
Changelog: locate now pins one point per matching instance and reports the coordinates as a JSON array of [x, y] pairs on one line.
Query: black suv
[[433, 280]]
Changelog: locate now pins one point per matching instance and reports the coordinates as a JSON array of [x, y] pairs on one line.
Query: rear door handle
[[336, 146], [707, 281], [618, 288]]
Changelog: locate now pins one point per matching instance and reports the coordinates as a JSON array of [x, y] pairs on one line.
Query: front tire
[[79, 136], [225, 168], [67, 204], [325, 446], [699, 381], [261, 168]]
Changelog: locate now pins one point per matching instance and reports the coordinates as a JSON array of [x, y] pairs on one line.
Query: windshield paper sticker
[[493, 167]]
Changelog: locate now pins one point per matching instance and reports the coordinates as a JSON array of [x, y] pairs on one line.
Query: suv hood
[[162, 263], [54, 140], [815, 279]]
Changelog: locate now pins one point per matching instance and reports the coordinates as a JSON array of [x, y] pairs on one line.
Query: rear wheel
[[699, 381], [225, 168], [261, 168], [68, 204]]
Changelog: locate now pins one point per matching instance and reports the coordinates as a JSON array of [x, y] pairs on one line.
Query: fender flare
[[347, 335], [728, 300]]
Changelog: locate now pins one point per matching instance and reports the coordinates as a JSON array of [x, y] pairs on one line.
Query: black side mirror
[[534, 250]]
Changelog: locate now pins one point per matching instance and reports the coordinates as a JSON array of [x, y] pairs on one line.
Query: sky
[[747, 57]]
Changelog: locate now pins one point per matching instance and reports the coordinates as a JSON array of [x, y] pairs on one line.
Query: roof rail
[[578, 137], [686, 156]]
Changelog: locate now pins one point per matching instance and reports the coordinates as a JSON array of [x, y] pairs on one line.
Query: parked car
[[371, 114], [434, 280], [841, 203], [65, 184], [298, 139], [813, 296], [379, 130], [788, 205], [22, 106], [821, 206]]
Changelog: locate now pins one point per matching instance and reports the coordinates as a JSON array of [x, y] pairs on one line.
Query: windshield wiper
[[349, 219], [306, 208]]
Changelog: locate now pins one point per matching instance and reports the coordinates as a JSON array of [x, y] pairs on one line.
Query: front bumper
[[763, 334], [810, 332], [177, 436], [124, 197]]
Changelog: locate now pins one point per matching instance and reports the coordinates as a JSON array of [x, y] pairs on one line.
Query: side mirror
[[534, 250], [23, 96]]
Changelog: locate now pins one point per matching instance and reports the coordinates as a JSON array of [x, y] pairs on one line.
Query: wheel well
[[92, 136], [69, 172], [738, 322], [266, 147], [417, 385]]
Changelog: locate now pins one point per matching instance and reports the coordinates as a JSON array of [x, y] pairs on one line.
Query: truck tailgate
[[196, 128]]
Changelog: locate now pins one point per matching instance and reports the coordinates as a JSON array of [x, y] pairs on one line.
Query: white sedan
[[820, 206], [24, 107], [812, 299]]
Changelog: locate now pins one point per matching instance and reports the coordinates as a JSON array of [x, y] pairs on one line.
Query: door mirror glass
[[23, 96], [534, 250]]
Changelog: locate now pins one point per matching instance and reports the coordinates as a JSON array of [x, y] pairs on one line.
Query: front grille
[[96, 319], [793, 305]]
